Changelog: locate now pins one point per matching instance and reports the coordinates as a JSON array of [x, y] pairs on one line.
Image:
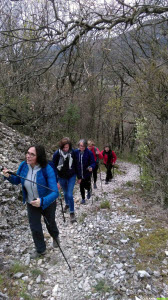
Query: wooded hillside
[[89, 69]]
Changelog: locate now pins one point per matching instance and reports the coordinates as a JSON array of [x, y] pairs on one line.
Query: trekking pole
[[62, 207], [58, 244], [113, 170], [12, 173], [91, 190], [100, 178]]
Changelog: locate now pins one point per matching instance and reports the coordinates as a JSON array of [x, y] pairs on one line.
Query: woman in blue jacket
[[39, 200], [86, 164]]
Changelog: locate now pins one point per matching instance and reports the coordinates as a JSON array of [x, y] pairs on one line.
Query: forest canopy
[[93, 69]]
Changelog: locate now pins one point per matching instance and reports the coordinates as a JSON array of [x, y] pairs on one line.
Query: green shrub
[[105, 204], [101, 286], [17, 267]]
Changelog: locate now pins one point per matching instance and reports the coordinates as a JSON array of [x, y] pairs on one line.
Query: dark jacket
[[84, 161], [46, 196], [65, 172]]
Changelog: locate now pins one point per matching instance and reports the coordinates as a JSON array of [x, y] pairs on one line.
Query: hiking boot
[[95, 186], [56, 242], [36, 254], [72, 218], [83, 201], [106, 182], [88, 195], [66, 208]]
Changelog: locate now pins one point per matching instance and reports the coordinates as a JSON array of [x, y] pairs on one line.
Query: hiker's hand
[[36, 202], [79, 181], [97, 152], [90, 169], [5, 172], [58, 186]]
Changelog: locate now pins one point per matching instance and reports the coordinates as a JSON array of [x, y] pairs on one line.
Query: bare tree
[[51, 28]]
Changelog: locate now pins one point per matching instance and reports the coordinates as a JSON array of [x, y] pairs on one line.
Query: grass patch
[[82, 217], [36, 272], [102, 287], [101, 168], [118, 172], [14, 291], [23, 291], [26, 296], [151, 248], [118, 191], [1, 280], [105, 204], [129, 183], [17, 267], [152, 244]]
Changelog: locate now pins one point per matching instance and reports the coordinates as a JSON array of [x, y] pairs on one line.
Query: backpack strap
[[45, 172]]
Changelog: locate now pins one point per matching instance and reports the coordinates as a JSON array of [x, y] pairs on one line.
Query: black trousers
[[95, 173], [34, 215], [85, 184], [108, 172]]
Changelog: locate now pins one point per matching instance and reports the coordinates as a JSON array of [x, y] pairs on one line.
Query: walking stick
[[58, 244], [100, 178], [113, 170], [12, 173], [62, 207], [91, 190]]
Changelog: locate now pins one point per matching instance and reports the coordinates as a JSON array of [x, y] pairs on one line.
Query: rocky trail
[[117, 249]]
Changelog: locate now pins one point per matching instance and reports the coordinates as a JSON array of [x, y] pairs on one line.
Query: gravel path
[[100, 247]]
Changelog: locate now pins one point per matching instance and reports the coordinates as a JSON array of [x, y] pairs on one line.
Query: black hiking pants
[[95, 173], [108, 172], [34, 215], [85, 184]]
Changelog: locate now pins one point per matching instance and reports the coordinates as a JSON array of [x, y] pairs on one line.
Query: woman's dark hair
[[109, 153], [41, 155], [108, 147], [65, 141]]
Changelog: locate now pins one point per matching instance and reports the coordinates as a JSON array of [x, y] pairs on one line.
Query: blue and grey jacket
[[46, 196], [85, 159]]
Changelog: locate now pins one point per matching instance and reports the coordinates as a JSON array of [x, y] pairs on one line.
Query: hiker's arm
[[114, 157], [99, 154]]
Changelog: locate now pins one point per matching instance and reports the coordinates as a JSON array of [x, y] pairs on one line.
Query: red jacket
[[105, 158], [100, 156]]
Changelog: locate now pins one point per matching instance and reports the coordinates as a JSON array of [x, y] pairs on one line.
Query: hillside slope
[[116, 249]]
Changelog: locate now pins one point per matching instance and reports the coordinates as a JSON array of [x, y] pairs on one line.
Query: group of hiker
[[41, 182]]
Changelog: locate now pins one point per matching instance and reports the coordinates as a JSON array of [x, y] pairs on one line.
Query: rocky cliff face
[[12, 148]]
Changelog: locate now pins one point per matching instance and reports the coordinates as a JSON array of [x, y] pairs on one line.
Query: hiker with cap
[[97, 155], [86, 164], [39, 189]]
